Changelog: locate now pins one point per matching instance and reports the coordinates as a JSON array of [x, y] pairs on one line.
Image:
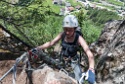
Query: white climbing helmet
[[70, 21]]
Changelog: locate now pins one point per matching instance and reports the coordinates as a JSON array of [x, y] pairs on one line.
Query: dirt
[[1, 50], [5, 65]]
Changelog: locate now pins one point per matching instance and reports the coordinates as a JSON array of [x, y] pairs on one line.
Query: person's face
[[69, 31]]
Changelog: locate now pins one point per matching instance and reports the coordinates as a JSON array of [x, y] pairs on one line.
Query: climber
[[70, 41]]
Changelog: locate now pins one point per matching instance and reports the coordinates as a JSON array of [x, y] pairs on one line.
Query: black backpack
[[78, 31]]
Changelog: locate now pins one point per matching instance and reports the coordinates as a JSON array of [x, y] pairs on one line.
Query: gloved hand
[[33, 55], [90, 76]]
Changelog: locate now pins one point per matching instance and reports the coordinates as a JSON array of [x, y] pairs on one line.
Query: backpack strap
[[76, 38], [63, 36]]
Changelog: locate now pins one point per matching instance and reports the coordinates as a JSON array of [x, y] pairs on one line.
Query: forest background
[[38, 21]]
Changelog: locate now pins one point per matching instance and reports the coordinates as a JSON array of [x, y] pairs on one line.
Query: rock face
[[45, 75], [10, 45], [110, 53]]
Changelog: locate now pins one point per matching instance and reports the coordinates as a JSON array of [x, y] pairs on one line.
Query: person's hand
[[33, 55], [91, 76]]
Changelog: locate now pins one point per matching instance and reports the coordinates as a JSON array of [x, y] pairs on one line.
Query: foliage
[[54, 8], [122, 0], [90, 31], [74, 3], [100, 17], [81, 17], [115, 2], [21, 19], [36, 22], [97, 0]]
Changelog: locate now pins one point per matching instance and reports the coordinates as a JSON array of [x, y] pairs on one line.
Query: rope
[[14, 73], [1, 82], [29, 72], [6, 74]]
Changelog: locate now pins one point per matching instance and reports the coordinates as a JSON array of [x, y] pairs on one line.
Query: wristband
[[92, 69]]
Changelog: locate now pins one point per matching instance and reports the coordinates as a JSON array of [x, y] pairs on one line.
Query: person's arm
[[87, 51], [51, 43]]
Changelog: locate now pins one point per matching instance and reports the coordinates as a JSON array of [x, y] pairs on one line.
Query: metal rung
[[63, 70]]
